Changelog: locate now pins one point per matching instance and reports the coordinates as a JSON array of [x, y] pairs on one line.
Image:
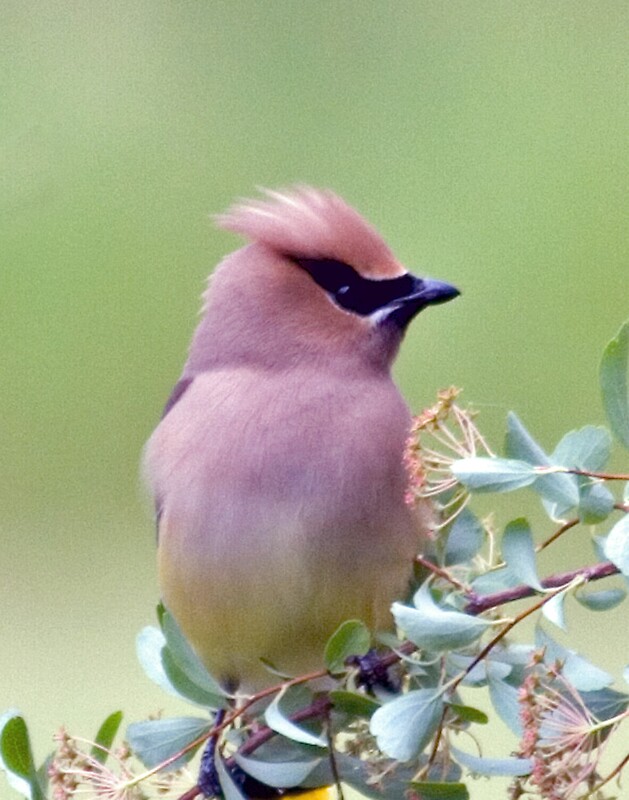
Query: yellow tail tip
[[326, 793]]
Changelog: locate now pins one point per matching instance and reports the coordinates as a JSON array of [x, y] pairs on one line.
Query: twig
[[317, 708], [605, 476], [508, 627], [442, 573], [477, 604], [559, 532], [423, 772], [616, 771]]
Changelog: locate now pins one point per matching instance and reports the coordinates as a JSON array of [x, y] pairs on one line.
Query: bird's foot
[[373, 674]]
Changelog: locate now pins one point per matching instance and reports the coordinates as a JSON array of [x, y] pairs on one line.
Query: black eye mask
[[402, 297]]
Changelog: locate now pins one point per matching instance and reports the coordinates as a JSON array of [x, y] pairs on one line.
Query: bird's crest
[[312, 223]]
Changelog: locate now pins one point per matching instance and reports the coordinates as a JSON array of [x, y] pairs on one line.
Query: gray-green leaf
[[156, 740], [554, 610], [616, 545], [465, 539], [277, 716], [601, 600], [159, 664], [588, 448], [504, 698], [404, 726], [493, 474], [507, 767], [557, 489], [433, 628], [518, 552], [281, 774], [596, 502], [613, 375], [187, 660]]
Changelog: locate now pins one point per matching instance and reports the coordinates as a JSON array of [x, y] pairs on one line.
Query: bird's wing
[[177, 393]]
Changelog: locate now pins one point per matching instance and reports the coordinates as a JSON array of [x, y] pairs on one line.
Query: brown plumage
[[277, 467]]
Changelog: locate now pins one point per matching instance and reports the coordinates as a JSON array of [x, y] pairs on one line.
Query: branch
[[477, 604], [605, 476], [317, 708]]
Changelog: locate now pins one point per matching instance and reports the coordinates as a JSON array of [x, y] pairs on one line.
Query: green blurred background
[[486, 140]]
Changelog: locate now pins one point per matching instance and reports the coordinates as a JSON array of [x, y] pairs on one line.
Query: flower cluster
[[79, 767], [562, 737], [440, 435]]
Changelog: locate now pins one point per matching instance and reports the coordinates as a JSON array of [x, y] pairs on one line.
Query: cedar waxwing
[[277, 466]]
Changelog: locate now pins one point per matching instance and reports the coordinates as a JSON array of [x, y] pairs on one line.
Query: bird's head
[[317, 278]]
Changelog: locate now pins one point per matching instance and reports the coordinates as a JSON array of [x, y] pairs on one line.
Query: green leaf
[[616, 545], [596, 502], [357, 705], [277, 716], [469, 714], [588, 448], [433, 628], [404, 726], [518, 552], [601, 600], [16, 756], [352, 638], [280, 774], [465, 539], [493, 474], [105, 737], [231, 790], [156, 740], [582, 674], [429, 790], [506, 767], [613, 375], [558, 490]]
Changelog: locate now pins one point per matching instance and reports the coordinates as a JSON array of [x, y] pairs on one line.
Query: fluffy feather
[[312, 223]]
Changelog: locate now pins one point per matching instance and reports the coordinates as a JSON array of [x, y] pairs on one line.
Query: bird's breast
[[282, 513]]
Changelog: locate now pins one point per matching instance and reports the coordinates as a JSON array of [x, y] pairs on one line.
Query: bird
[[277, 466]]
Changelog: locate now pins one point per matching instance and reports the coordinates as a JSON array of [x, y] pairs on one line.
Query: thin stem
[[559, 532], [442, 573], [616, 771], [423, 772], [317, 708], [191, 793], [605, 476], [508, 627]]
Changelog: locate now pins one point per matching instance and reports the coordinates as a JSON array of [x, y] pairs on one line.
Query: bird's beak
[[426, 292]]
